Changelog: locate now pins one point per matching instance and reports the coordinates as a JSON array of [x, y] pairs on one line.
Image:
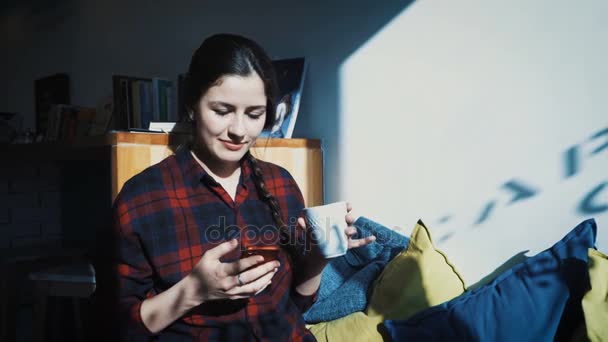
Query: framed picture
[[290, 76]]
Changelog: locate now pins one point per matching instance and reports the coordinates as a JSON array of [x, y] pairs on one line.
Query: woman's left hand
[[314, 262], [351, 231]]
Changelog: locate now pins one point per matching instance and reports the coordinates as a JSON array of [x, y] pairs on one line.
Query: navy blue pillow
[[526, 303]]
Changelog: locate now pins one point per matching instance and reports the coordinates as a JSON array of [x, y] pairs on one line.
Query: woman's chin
[[228, 156]]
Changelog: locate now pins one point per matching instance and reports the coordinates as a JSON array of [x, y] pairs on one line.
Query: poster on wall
[[290, 76]]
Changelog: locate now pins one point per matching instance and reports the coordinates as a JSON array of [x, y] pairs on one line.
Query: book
[[140, 100], [69, 122], [290, 76], [10, 126], [147, 113], [171, 103], [135, 104], [48, 92], [160, 92], [127, 101], [85, 119], [103, 116], [181, 106]]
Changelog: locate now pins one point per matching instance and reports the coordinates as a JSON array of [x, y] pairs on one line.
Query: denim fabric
[[346, 280]]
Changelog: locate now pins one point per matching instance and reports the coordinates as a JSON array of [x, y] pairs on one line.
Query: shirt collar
[[194, 173]]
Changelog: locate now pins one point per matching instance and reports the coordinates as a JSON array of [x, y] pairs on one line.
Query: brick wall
[[30, 205], [54, 203]]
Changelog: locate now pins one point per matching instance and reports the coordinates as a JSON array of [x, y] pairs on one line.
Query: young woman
[[182, 223]]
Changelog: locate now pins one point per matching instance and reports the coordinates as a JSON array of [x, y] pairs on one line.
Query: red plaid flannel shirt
[[167, 216]]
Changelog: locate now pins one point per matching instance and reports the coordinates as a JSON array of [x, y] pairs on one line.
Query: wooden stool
[[75, 280], [15, 265]]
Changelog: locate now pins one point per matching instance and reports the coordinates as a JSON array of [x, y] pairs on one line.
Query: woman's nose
[[236, 129]]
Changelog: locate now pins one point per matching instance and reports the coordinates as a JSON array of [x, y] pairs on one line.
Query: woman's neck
[[216, 168]]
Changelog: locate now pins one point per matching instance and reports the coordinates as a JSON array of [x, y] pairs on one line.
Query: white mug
[[328, 226]]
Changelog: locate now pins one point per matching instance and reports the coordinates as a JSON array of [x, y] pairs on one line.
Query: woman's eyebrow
[[222, 104], [250, 108], [230, 106]]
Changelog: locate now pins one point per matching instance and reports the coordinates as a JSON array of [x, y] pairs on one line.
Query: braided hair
[[275, 209]]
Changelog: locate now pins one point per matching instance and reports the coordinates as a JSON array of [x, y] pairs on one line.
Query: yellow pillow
[[354, 327], [595, 302], [416, 279]]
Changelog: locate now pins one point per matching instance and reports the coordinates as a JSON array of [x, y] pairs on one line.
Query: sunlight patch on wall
[[467, 115]]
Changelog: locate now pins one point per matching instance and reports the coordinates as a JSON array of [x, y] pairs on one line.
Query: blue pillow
[[526, 303]]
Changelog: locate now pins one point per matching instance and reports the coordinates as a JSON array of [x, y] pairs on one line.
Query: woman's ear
[[190, 115]]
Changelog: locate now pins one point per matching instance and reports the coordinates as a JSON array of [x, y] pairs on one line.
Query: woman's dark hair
[[227, 54]]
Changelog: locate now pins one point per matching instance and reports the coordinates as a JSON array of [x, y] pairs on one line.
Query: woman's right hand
[[212, 279]]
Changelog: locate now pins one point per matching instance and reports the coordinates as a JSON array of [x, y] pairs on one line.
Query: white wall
[[453, 99]]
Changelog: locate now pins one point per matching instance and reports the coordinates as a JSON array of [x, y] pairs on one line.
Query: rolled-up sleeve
[[292, 210], [303, 302]]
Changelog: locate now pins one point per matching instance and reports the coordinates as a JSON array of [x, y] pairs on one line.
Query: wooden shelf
[[128, 153], [172, 139], [53, 152]]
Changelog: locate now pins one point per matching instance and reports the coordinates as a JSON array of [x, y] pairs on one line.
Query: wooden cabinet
[[303, 158]]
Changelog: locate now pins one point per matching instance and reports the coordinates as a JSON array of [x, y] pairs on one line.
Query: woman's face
[[231, 115]]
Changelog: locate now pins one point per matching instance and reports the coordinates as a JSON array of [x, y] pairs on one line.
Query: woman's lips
[[233, 146]]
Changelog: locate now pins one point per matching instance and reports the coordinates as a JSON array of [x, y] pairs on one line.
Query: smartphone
[[268, 252]]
